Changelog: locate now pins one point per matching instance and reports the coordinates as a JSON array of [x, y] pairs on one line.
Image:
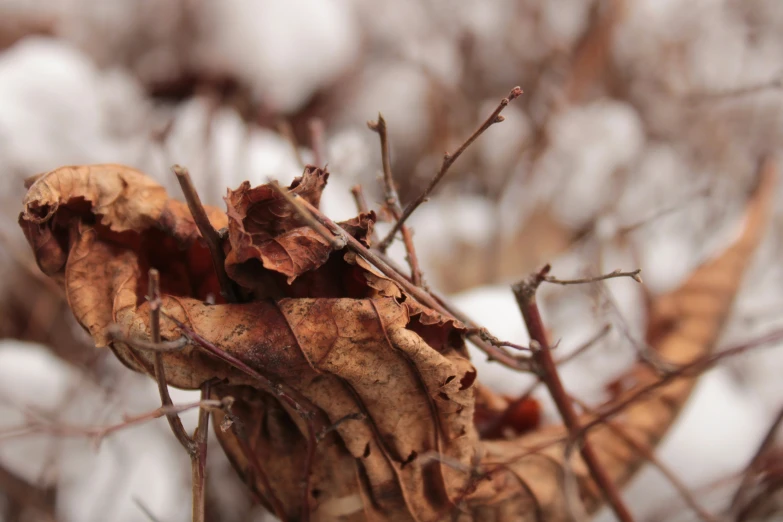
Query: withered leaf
[[263, 228], [386, 374]]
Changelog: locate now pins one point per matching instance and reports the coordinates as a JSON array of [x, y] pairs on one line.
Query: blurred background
[[634, 146]]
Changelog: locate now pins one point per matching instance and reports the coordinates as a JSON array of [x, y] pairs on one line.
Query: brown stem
[[358, 196], [361, 206], [316, 126], [283, 391], [611, 275], [570, 357], [750, 470], [160, 373], [26, 495], [448, 160], [309, 458], [393, 200], [649, 455], [141, 344], [291, 199], [287, 131], [258, 470], [144, 509], [422, 296], [686, 370], [208, 232], [98, 433], [198, 459], [525, 293]]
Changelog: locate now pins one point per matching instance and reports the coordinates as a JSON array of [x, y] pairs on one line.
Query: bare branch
[[316, 126], [336, 243], [98, 433], [494, 352], [144, 345], [144, 509], [739, 499], [393, 200], [448, 160], [525, 293], [160, 373], [208, 232], [198, 459], [285, 129], [283, 391], [690, 369], [611, 275], [361, 206], [649, 455]]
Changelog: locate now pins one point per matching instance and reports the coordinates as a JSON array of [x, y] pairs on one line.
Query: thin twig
[[448, 160], [585, 346], [98, 433], [17, 490], [141, 344], [284, 392], [611, 275], [285, 129], [208, 232], [316, 126], [252, 459], [571, 356], [705, 96], [752, 467], [686, 370], [306, 410], [160, 373], [422, 296], [361, 206], [649, 455], [525, 293], [144, 509], [393, 200], [198, 459], [357, 416], [358, 196], [335, 242]]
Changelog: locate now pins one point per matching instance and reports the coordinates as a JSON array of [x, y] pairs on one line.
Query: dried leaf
[[384, 376]]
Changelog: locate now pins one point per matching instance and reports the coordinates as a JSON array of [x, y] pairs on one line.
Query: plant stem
[[448, 160], [525, 293]]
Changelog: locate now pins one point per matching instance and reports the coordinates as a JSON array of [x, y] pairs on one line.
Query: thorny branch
[[525, 293], [448, 160], [393, 200]]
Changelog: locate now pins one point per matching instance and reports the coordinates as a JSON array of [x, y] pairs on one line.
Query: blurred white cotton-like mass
[[634, 146]]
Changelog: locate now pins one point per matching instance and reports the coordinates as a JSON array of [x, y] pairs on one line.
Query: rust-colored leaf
[[321, 338]]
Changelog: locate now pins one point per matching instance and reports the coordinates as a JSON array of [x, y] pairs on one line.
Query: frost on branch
[[353, 399]]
